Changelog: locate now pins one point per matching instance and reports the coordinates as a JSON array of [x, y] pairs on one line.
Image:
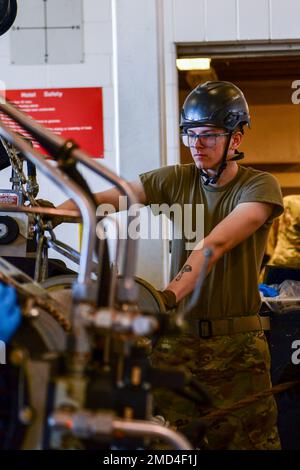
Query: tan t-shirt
[[231, 288]]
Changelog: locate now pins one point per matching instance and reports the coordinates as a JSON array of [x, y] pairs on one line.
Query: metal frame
[[230, 49]]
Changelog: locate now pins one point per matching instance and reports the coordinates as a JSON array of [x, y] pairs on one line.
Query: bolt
[[17, 357], [33, 312]]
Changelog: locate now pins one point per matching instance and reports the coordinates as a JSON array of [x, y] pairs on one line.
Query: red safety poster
[[73, 113]]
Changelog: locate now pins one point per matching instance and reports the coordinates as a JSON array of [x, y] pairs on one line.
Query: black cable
[[213, 179]]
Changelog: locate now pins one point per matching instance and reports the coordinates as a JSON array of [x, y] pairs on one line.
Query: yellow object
[[197, 63]]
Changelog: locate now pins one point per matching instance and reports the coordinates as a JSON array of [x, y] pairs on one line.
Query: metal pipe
[[71, 189], [54, 144], [39, 258], [114, 270], [42, 211], [85, 424], [146, 428], [64, 250]]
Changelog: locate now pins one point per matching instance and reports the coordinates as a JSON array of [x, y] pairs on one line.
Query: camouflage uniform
[[231, 368], [287, 250]]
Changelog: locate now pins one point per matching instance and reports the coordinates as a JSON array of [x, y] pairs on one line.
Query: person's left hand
[[10, 313], [45, 203], [55, 219]]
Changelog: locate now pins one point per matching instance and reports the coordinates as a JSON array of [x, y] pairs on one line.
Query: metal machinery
[[16, 230], [78, 374]]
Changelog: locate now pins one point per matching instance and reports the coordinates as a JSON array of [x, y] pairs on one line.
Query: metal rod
[[41, 211], [146, 428], [68, 252], [114, 270], [39, 258]]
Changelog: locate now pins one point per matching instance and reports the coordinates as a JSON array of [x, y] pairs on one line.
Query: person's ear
[[236, 140]]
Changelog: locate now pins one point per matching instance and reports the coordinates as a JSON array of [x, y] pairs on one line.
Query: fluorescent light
[[202, 63]]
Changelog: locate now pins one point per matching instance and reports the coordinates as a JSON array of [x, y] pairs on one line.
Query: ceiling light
[[202, 63]]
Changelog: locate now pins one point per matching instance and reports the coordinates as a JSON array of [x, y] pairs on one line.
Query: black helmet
[[218, 104], [8, 13]]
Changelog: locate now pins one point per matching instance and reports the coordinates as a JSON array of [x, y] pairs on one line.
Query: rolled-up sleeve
[[264, 188]]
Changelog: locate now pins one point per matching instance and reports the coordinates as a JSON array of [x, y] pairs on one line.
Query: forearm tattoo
[[186, 269]]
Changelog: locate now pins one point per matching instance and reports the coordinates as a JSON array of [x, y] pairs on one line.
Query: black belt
[[227, 326]]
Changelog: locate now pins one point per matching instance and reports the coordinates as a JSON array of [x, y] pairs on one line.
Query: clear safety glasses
[[206, 139]]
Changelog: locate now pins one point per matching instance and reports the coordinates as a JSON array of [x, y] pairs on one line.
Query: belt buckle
[[205, 328]]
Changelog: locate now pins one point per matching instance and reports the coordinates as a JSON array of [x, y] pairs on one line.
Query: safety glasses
[[208, 140]]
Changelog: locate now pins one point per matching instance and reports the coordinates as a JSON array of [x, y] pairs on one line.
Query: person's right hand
[[168, 298]]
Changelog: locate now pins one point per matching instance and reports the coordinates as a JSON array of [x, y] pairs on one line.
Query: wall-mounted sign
[[73, 113]]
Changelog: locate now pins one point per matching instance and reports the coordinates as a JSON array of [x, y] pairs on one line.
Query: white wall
[[230, 20], [139, 111]]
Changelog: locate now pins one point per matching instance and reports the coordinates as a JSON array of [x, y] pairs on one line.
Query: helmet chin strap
[[213, 179], [237, 156]]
